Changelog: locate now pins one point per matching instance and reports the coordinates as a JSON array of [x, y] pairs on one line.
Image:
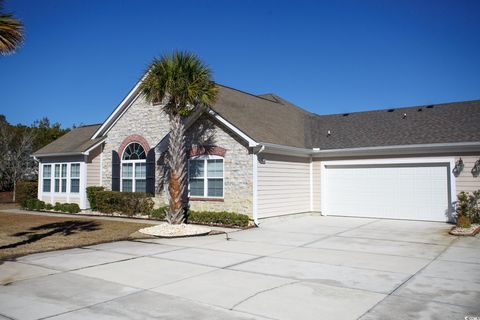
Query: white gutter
[[87, 152], [400, 149], [119, 107], [255, 154], [368, 151], [57, 154], [251, 142]]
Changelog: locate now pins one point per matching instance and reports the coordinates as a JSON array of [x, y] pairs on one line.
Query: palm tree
[[181, 82], [11, 32]]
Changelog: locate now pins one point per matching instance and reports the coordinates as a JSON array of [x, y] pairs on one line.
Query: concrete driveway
[[304, 267]]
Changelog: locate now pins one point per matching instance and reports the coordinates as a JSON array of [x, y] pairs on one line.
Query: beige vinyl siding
[[283, 185], [466, 181], [94, 168], [316, 166]]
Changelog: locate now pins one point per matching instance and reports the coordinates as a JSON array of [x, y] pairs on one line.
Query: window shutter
[[150, 172], [115, 171]]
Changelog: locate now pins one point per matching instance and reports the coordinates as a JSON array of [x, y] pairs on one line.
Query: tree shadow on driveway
[[65, 227]]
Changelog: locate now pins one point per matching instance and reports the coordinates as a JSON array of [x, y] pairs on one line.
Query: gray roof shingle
[[74, 142], [269, 118], [441, 123]]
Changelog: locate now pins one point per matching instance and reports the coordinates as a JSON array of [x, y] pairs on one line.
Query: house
[[263, 156]]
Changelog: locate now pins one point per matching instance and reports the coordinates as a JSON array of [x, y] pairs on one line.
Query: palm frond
[[11, 33]]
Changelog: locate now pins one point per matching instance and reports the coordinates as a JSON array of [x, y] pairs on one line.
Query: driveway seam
[[404, 282], [263, 291], [92, 305], [338, 233]]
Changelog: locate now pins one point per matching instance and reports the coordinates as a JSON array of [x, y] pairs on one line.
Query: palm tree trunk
[[176, 161]]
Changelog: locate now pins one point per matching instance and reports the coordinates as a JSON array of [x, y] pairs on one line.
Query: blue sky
[[81, 57]]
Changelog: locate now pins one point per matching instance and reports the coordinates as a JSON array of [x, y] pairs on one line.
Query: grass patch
[[22, 234]]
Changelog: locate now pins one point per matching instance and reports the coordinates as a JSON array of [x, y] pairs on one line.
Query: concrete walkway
[[305, 267]]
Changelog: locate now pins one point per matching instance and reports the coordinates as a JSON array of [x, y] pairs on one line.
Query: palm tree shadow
[[66, 228]]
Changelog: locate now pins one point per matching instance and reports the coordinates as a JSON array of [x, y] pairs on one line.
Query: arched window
[[134, 168]]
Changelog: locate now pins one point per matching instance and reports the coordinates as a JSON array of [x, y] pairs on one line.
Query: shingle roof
[[263, 118], [269, 118], [440, 123], [74, 142]]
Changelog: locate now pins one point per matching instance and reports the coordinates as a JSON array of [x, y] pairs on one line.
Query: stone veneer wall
[[238, 167], [142, 118], [151, 123]]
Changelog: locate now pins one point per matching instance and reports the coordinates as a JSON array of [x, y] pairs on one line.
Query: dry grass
[[22, 234]]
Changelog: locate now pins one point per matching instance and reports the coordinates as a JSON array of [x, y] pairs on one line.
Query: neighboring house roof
[[74, 142]]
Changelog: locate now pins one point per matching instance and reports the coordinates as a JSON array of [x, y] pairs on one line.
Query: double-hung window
[[57, 178], [75, 178], [47, 175], [206, 177], [134, 167], [61, 180]]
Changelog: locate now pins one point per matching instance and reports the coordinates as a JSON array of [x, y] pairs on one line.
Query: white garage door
[[398, 191]]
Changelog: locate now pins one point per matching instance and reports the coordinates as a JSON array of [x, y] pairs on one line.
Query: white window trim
[[205, 177], [133, 177], [67, 177], [134, 162]]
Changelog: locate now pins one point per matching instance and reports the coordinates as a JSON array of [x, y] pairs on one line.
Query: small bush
[[468, 208], [70, 207], [48, 206], [91, 195], [159, 213], [57, 206], [26, 190], [34, 204], [129, 203], [218, 218]]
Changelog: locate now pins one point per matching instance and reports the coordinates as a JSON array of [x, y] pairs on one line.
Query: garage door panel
[[413, 191]]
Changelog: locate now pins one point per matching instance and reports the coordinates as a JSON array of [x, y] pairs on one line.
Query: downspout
[[255, 183]]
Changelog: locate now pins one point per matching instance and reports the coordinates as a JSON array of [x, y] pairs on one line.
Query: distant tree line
[[17, 143]]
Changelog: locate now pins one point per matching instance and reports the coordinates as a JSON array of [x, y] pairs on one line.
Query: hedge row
[[129, 203], [91, 196], [37, 205], [218, 218], [26, 190]]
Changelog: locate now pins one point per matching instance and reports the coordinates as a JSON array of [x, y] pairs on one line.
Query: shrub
[[129, 203], [468, 208], [91, 195], [48, 206], [34, 204], [26, 190], [57, 206], [70, 207], [222, 218], [159, 213]]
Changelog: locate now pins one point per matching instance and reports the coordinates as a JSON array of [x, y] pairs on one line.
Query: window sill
[[206, 199]]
